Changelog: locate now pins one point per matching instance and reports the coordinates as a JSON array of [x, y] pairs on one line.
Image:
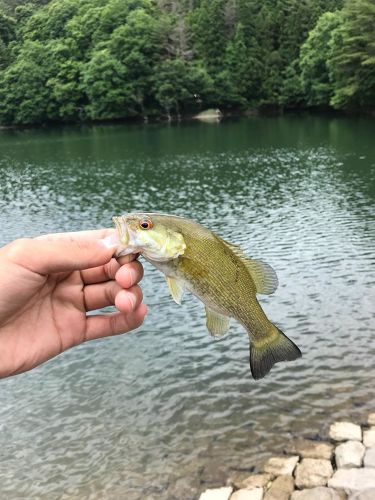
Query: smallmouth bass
[[227, 281]]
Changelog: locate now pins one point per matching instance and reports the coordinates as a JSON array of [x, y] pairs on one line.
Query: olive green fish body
[[194, 258]]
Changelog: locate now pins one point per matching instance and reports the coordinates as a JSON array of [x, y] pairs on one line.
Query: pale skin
[[47, 286]]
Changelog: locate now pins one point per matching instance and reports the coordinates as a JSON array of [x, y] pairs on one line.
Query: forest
[[85, 60]]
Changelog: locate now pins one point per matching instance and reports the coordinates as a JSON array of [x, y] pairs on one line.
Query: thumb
[[45, 256]]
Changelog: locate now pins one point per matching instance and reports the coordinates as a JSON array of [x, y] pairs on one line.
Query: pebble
[[345, 431], [280, 489], [279, 466], [349, 454], [319, 493], [369, 438], [313, 472], [217, 494], [353, 480], [254, 494], [369, 460]]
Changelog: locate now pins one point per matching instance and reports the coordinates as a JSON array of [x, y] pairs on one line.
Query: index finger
[[90, 234]]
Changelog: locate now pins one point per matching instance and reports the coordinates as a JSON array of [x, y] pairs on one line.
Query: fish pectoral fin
[[217, 324], [176, 288], [264, 276]]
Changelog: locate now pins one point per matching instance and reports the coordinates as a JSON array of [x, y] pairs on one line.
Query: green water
[[166, 411]]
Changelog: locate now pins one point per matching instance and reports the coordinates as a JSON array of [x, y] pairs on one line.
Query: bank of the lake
[[340, 468], [166, 407]]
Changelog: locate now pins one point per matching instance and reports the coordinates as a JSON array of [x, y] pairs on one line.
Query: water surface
[[166, 411]]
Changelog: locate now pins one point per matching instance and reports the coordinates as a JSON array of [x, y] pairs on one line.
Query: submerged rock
[[349, 454], [242, 480], [313, 472], [279, 466], [345, 431], [307, 448]]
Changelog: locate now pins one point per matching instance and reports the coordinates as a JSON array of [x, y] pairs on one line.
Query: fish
[[219, 273]]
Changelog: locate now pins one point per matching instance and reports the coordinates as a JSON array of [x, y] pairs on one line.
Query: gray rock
[[280, 489], [242, 480], [349, 454], [371, 419], [364, 495], [320, 493], [313, 472], [307, 448], [279, 466], [217, 494], [254, 494], [345, 431], [353, 480], [369, 438], [369, 460]]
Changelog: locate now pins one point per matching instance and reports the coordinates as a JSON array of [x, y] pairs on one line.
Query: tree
[[315, 53], [352, 60]]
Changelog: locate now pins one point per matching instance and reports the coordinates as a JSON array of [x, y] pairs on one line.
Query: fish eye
[[146, 224]]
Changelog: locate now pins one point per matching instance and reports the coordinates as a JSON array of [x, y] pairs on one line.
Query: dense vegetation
[[69, 60]]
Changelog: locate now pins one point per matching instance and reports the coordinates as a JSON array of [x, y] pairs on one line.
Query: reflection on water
[[166, 410]]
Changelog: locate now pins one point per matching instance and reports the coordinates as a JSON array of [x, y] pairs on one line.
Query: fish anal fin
[[265, 354], [217, 324], [263, 275], [176, 288]]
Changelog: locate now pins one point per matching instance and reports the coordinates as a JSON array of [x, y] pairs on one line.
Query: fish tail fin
[[263, 355]]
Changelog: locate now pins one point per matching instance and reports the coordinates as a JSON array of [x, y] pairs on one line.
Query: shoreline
[[261, 111], [340, 468]]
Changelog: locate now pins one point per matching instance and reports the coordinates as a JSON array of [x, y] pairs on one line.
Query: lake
[[166, 411]]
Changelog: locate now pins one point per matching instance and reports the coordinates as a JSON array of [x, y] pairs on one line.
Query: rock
[[349, 454], [184, 488], [217, 494], [353, 480], [364, 495], [280, 489], [345, 431], [279, 466], [313, 472], [242, 480], [371, 419], [307, 448], [369, 460], [254, 494], [369, 438], [320, 493]]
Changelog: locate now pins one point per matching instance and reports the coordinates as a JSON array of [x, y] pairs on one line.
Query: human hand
[[48, 284]]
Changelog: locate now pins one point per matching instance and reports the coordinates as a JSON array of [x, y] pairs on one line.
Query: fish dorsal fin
[[176, 288], [264, 276], [217, 324]]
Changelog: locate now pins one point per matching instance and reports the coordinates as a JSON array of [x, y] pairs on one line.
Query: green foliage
[[352, 60], [70, 60], [315, 53]]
